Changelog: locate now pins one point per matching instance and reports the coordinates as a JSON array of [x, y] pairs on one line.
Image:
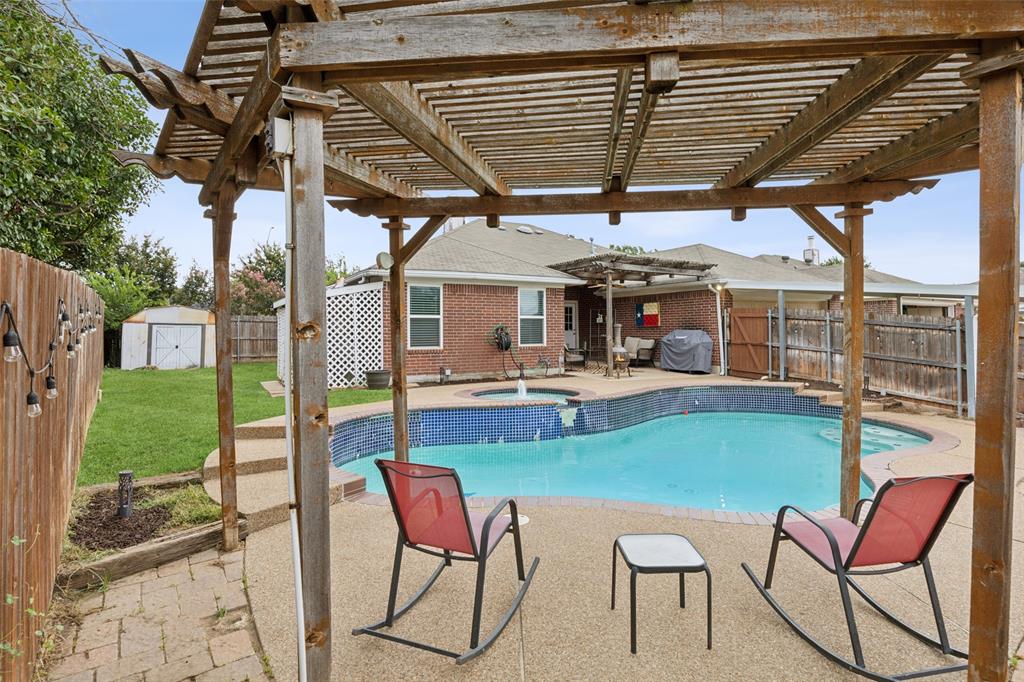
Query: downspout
[[300, 625], [722, 362]]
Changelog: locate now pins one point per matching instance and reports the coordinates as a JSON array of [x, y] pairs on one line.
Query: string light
[[14, 349]]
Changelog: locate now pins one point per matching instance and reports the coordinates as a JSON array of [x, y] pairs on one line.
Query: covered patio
[[388, 105]]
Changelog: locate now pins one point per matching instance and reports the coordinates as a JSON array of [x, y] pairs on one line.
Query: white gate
[[355, 334]]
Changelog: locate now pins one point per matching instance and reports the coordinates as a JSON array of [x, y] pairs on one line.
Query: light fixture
[[71, 349], [32, 401], [78, 342], [384, 260], [12, 347], [51, 387]]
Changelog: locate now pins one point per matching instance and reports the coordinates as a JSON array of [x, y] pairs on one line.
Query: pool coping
[[875, 469]]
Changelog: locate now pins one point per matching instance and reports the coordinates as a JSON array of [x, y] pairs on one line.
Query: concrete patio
[[565, 629]]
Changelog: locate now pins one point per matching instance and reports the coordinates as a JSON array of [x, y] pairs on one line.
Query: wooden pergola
[[607, 269], [387, 101]]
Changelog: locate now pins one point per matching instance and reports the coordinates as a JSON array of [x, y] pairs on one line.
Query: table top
[[659, 551]]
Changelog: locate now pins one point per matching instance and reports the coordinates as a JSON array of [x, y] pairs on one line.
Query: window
[[424, 317], [532, 326]]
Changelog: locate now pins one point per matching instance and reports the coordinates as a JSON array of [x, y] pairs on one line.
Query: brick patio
[[186, 620]]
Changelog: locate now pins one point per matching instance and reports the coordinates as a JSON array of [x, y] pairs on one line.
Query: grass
[[189, 506], [161, 422]]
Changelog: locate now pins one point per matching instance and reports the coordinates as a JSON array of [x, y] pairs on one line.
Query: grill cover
[[686, 350]]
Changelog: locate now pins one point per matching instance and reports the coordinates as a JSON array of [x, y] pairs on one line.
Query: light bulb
[[51, 388], [78, 342], [34, 409], [71, 349], [65, 320], [12, 351], [60, 335]]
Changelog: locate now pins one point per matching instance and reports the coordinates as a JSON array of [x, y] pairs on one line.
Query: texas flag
[[648, 314]]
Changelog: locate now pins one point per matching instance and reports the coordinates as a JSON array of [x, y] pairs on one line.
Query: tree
[[63, 197], [124, 293], [252, 293], [336, 269], [197, 289], [836, 260], [628, 248], [149, 257], [266, 259]]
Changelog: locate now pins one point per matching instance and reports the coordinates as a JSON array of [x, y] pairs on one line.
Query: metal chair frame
[[843, 570], [479, 556]]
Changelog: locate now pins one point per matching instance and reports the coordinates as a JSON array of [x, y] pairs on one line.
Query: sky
[[931, 237]]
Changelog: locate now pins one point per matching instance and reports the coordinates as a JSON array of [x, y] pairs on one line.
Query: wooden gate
[[748, 342]]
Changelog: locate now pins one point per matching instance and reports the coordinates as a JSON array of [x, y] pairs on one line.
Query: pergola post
[[309, 349], [223, 215], [994, 442], [609, 330], [399, 383], [853, 355]]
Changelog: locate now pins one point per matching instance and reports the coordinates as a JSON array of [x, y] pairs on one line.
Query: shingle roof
[[831, 273]]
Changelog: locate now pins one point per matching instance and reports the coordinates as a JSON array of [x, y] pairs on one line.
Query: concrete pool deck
[[565, 629]]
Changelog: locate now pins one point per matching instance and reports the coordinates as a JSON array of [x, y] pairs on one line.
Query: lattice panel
[[355, 335]]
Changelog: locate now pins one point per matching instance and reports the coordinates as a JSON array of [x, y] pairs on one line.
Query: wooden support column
[[853, 355], [223, 218], [310, 378], [399, 387], [609, 318], [994, 443]]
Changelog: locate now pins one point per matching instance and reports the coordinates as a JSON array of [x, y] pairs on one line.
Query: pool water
[[510, 395], [734, 461]]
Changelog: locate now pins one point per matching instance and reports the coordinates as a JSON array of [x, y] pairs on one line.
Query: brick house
[[471, 278]]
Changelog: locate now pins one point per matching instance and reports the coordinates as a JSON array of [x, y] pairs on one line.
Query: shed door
[[174, 346]]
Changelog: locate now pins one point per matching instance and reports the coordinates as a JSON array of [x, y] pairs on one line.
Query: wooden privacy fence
[[254, 337], [39, 456], [911, 356]]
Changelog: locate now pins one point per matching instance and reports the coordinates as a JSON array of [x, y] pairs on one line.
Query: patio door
[[572, 320]]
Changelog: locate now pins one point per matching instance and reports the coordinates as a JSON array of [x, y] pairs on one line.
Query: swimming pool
[[728, 460]]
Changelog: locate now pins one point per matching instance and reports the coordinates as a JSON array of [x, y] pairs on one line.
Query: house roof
[[833, 273]]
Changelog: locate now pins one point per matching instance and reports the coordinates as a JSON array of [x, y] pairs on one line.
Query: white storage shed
[[170, 337]]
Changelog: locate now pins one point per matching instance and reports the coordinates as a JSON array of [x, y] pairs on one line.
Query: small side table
[[658, 553]]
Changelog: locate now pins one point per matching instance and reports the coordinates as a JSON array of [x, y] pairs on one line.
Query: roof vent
[[524, 229], [810, 253], [785, 259]]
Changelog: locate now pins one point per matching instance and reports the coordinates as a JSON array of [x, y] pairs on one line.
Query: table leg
[[632, 611], [708, 573], [682, 590], [614, 567]]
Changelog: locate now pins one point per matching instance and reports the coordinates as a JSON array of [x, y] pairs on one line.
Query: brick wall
[[882, 306], [679, 310], [470, 312]]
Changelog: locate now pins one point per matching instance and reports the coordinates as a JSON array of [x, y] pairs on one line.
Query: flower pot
[[378, 378]]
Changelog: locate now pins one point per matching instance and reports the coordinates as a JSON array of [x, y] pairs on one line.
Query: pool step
[[253, 456], [263, 497]]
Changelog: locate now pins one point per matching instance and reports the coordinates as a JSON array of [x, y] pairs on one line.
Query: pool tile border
[[376, 431]]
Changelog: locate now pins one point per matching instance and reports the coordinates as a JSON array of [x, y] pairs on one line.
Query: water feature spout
[[521, 389]]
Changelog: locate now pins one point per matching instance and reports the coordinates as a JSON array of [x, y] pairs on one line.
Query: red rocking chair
[[432, 518], [905, 519]]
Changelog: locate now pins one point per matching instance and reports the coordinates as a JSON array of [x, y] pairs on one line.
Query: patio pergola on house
[[388, 100]]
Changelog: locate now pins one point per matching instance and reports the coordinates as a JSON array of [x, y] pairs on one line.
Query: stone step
[[866, 406], [251, 457], [263, 497], [263, 429]]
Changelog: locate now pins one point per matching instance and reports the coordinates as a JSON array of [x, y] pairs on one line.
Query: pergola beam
[[933, 140], [870, 81], [478, 43], [660, 76], [636, 202], [399, 106], [623, 83], [825, 228]]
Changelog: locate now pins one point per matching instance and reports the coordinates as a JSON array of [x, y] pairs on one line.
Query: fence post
[[782, 335], [769, 343], [828, 347], [959, 369], [972, 366]]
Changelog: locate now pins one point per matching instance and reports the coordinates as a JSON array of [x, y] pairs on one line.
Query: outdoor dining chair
[[432, 517], [905, 519]]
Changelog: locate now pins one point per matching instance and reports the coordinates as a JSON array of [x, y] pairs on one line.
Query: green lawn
[[161, 422]]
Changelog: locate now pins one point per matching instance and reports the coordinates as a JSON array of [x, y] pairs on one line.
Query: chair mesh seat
[[810, 537]]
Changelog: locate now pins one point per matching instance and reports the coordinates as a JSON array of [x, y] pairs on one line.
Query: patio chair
[[432, 518], [905, 518]]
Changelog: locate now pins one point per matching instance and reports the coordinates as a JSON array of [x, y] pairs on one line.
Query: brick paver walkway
[[186, 620]]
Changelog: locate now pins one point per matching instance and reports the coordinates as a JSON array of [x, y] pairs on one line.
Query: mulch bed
[[98, 527]]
